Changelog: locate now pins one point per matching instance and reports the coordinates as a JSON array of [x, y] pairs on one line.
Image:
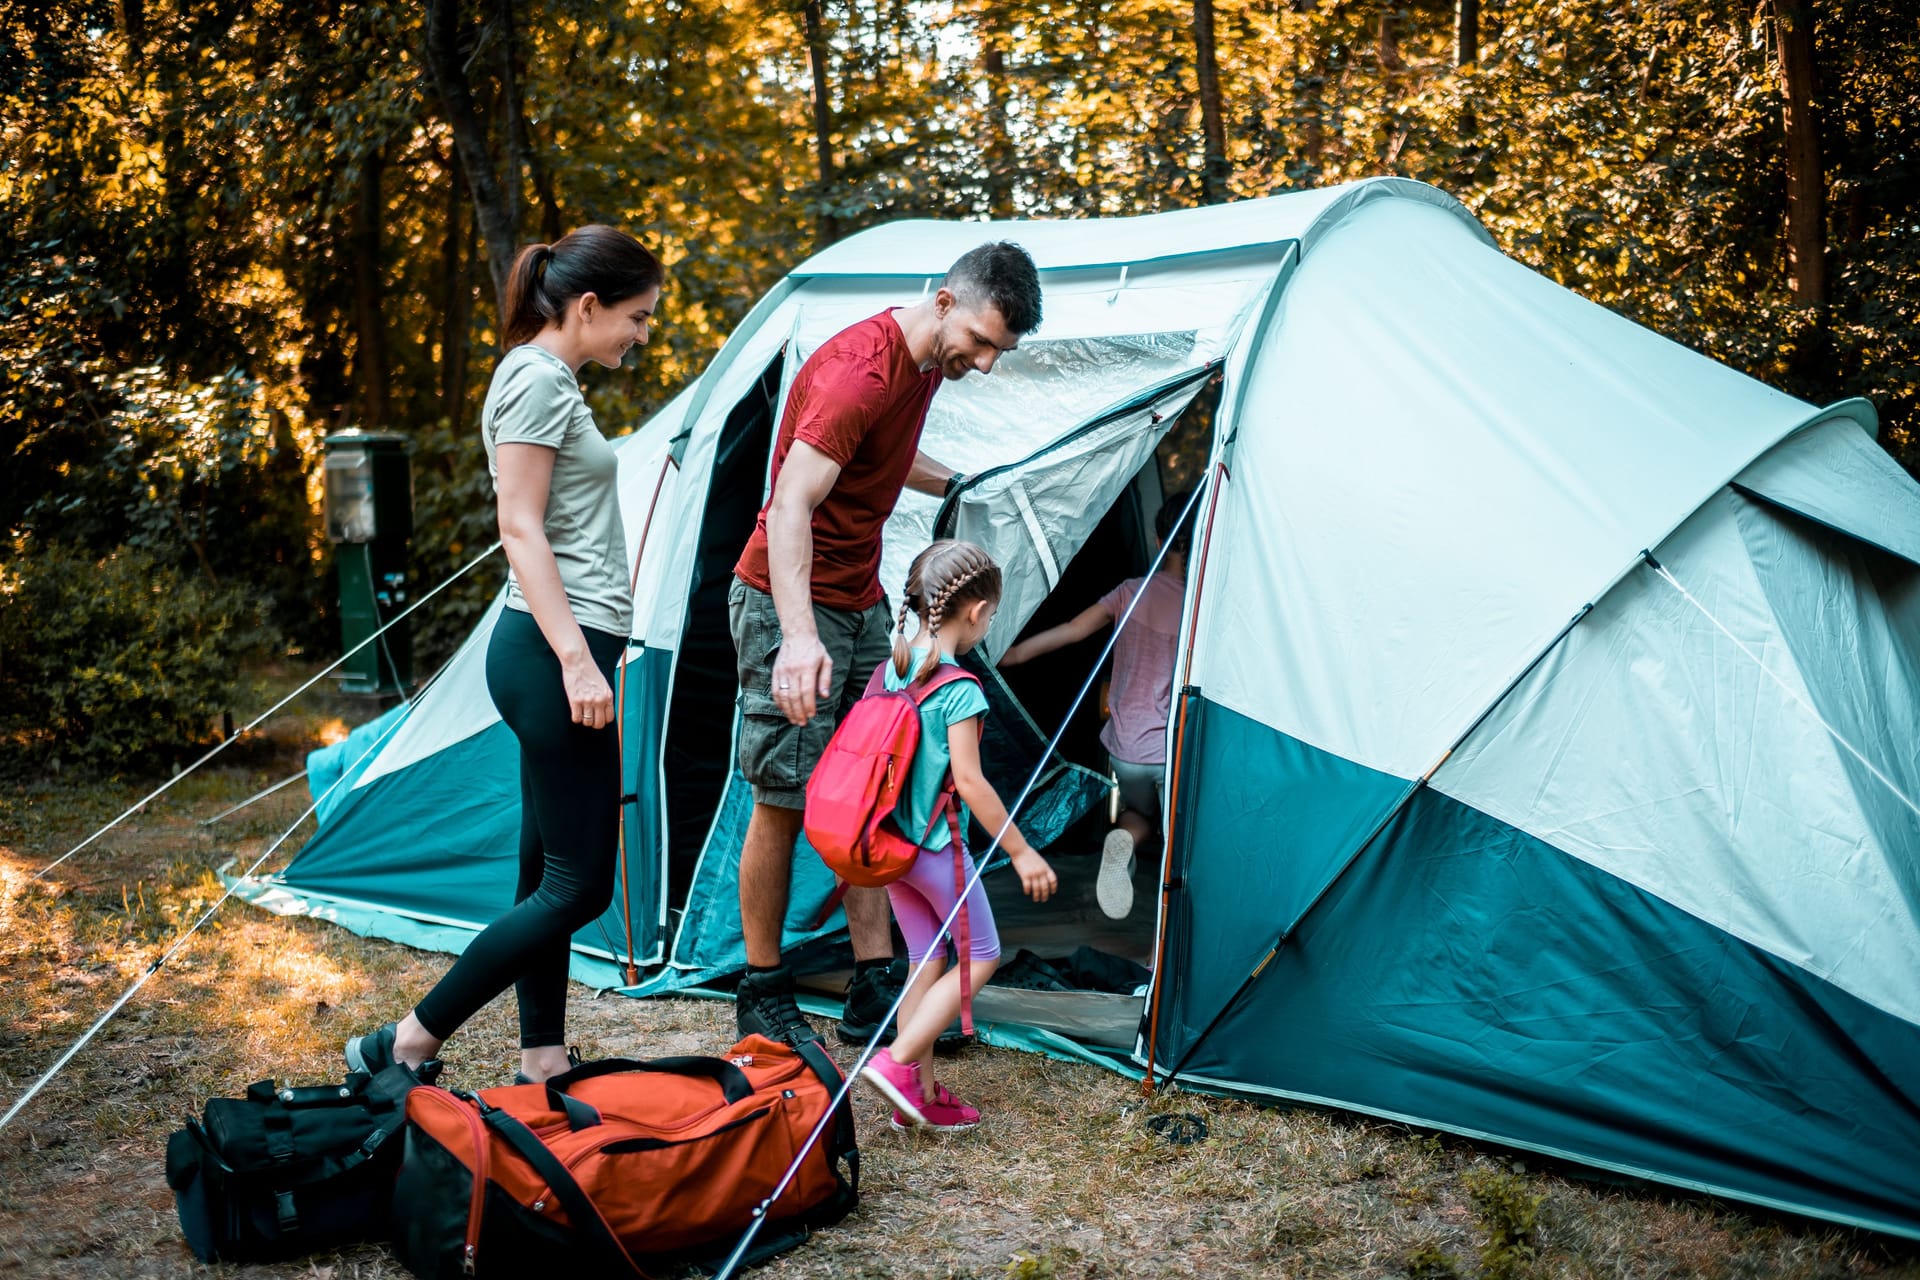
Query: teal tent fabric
[[1468, 976], [331, 770]]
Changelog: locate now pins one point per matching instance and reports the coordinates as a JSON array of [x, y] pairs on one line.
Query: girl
[[953, 588], [587, 298]]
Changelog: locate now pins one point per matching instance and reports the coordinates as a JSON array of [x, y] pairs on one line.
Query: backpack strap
[[920, 690]]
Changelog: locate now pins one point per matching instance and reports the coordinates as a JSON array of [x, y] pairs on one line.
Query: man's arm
[[929, 477], [803, 673]]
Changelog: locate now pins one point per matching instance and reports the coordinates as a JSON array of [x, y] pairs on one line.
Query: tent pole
[[620, 729]]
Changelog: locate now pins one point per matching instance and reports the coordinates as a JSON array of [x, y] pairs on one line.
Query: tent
[[1541, 767]]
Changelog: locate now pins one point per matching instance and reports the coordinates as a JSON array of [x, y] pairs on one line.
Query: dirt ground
[[1069, 1176]]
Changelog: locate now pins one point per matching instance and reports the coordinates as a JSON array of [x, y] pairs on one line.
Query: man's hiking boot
[[870, 993], [764, 1006]]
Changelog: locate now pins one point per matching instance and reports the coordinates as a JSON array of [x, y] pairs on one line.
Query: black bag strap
[[581, 1211], [842, 1143]]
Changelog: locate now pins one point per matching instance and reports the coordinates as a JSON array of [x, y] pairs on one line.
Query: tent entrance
[[699, 746], [1091, 972]]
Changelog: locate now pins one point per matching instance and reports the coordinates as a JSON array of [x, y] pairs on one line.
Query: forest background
[[231, 228]]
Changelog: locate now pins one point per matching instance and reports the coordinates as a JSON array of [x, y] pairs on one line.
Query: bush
[[119, 659]]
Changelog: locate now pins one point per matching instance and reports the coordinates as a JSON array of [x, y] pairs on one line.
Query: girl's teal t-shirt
[[950, 704]]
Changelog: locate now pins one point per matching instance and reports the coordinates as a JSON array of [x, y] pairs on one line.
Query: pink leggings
[[923, 897]]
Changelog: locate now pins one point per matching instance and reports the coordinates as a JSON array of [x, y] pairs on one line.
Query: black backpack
[[286, 1171]]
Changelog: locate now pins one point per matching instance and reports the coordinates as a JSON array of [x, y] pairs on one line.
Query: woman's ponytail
[[528, 308], [544, 278]]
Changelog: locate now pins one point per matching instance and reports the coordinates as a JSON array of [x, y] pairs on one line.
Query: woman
[[588, 297]]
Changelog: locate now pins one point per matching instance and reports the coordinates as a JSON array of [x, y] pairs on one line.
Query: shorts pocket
[[770, 748]]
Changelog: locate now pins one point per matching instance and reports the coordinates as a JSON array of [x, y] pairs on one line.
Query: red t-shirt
[[861, 400]]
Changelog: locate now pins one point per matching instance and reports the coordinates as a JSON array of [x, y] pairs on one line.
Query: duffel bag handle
[[318, 1095], [733, 1082]]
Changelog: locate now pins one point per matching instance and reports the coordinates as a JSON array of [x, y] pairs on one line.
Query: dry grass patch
[[1073, 1176]]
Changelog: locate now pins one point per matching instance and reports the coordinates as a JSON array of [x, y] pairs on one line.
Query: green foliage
[[1510, 1215], [1027, 1266], [122, 659], [1431, 1262], [233, 229], [453, 521]]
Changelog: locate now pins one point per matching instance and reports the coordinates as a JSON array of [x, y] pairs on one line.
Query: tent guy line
[[256, 797], [946, 925], [1667, 577], [267, 714], [181, 941]]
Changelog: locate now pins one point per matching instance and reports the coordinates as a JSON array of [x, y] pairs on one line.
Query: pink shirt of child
[[1143, 657]]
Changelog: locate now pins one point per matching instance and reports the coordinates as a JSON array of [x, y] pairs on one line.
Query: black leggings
[[569, 834]]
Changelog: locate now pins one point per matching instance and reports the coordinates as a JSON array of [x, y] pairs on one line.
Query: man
[[809, 616]]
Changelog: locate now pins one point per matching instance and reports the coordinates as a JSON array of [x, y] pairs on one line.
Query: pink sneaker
[[944, 1114], [898, 1083]]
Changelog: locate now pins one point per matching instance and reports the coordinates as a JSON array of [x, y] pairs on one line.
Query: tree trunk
[[815, 18], [523, 162], [1214, 171], [369, 327], [1806, 184], [457, 307], [1466, 53], [1387, 42], [999, 144], [133, 24], [498, 219]]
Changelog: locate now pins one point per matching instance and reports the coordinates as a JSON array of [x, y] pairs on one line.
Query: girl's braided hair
[[944, 579]]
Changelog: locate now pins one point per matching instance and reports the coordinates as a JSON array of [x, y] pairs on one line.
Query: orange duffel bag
[[621, 1164]]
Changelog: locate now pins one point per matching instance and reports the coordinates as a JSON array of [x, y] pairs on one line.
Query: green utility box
[[369, 512]]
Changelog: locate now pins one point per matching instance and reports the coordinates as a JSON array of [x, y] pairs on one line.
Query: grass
[[1073, 1176]]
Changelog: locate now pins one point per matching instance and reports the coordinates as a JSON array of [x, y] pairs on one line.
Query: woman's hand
[[589, 697], [1014, 656], [1036, 876]]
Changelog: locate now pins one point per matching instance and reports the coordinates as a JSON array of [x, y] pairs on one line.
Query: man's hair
[[1000, 273]]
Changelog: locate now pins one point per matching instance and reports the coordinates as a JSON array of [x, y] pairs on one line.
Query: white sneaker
[[1114, 889]]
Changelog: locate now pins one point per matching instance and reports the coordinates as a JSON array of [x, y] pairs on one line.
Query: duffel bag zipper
[[468, 1109], [613, 1144]]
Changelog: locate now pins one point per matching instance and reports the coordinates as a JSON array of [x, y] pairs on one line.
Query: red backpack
[[855, 788], [858, 783]]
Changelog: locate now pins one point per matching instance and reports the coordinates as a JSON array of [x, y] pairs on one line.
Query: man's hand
[[802, 677]]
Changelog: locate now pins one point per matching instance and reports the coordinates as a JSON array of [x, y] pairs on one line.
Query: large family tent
[[1542, 763]]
